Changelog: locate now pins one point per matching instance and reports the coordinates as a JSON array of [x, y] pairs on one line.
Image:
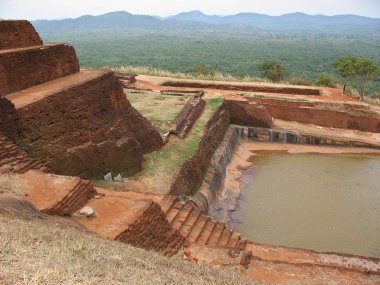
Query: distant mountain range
[[198, 20]]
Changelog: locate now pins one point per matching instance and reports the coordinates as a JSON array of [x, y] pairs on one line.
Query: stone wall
[[192, 171], [8, 118], [248, 113], [152, 231], [23, 68], [216, 172], [87, 130], [326, 114], [188, 116], [247, 88], [16, 34]]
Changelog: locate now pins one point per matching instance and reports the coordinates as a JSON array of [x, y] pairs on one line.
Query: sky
[[58, 9]]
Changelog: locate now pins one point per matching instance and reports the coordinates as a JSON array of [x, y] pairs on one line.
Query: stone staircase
[[197, 228], [14, 160], [268, 263]]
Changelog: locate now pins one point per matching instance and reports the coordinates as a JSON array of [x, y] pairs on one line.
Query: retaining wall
[[326, 114], [192, 171], [247, 88], [215, 177], [27, 67]]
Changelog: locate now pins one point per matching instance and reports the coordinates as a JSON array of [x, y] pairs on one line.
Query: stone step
[[26, 67], [197, 228], [167, 203], [174, 211], [190, 222], [234, 240], [15, 160], [225, 238], [47, 89], [205, 233], [182, 216], [216, 234]]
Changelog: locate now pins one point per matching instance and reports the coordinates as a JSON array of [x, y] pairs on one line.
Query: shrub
[[273, 70], [327, 80], [296, 80]]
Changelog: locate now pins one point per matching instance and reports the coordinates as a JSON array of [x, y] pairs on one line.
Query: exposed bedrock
[[25, 67], [16, 34], [192, 171], [85, 126]]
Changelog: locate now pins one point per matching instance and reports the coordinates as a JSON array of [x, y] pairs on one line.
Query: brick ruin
[[101, 131], [60, 124]]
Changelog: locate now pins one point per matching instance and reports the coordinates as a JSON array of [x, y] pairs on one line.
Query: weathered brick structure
[[75, 122]]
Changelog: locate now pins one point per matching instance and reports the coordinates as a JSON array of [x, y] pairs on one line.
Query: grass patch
[[214, 76], [12, 184], [160, 109], [43, 252], [162, 166]]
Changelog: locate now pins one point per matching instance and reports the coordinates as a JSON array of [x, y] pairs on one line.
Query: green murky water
[[321, 202]]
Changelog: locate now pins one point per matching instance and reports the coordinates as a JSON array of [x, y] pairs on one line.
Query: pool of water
[[320, 202]]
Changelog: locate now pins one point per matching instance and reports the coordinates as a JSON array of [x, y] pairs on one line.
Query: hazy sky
[[57, 9]]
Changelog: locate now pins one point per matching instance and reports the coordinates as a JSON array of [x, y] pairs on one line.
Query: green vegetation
[[326, 79], [232, 52], [274, 70], [151, 105], [161, 167], [360, 69]]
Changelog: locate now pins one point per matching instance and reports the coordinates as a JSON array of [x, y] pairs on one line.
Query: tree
[[202, 69], [360, 69], [326, 79], [273, 69]]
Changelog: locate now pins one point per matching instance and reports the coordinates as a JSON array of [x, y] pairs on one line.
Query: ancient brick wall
[[188, 116], [8, 118], [193, 170], [241, 112], [23, 68], [336, 115], [16, 34], [87, 130], [152, 231], [247, 88]]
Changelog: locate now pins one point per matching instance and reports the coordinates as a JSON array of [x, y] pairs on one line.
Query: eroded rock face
[[16, 34]]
